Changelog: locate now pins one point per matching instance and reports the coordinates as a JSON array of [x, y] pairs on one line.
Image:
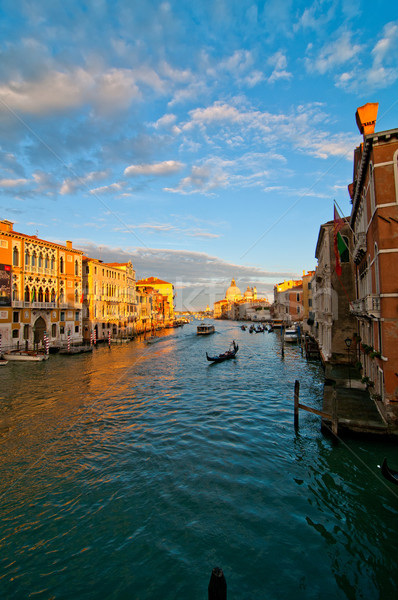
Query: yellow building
[[40, 290], [165, 308], [108, 300]]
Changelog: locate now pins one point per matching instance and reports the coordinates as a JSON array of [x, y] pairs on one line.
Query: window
[[15, 317], [40, 298], [87, 269], [52, 263], [26, 332], [26, 258], [53, 330], [15, 292], [61, 265], [61, 329], [76, 328], [47, 295], [27, 294], [298, 297], [34, 259], [76, 267], [376, 268], [15, 333], [40, 260], [46, 262], [77, 315], [53, 296], [61, 295], [309, 301], [62, 316], [15, 257]]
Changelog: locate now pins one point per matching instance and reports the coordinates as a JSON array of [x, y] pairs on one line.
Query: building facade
[[109, 305], [332, 296], [374, 220], [40, 290]]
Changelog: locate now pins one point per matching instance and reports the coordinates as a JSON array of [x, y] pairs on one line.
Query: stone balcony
[[369, 306], [359, 247]]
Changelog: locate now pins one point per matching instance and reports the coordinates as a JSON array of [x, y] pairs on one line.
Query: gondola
[[388, 473], [231, 353]]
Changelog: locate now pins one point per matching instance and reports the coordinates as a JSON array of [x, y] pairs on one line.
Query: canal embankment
[[357, 412]]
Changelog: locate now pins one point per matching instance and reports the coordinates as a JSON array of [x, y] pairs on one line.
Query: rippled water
[[130, 473]]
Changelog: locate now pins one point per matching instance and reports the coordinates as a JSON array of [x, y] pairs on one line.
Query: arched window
[[46, 261], [34, 259], [15, 292], [372, 189], [52, 264], [40, 260], [76, 295], [47, 295], [27, 294], [52, 295], [40, 297], [61, 264], [377, 275], [76, 267], [61, 295], [15, 256], [26, 258]]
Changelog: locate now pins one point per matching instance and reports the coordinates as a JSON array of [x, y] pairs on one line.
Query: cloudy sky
[[202, 140]]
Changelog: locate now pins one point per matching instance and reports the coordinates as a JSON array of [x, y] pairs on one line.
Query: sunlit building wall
[[40, 290]]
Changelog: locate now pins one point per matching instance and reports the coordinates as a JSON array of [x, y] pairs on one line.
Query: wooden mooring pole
[[330, 417], [217, 585]]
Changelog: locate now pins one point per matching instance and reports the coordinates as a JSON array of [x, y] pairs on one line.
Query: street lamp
[[348, 342]]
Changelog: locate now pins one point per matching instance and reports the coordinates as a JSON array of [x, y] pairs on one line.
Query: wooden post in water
[[335, 420], [217, 585], [283, 341], [296, 403]]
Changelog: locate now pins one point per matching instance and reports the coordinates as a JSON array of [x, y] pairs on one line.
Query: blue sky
[[202, 140]]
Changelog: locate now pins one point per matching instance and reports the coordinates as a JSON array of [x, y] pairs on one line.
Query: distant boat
[[205, 329], [389, 473], [26, 355], [76, 350], [291, 335], [230, 353]]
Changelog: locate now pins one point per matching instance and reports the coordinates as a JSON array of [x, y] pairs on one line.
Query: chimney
[[366, 116], [69, 244], [6, 225]]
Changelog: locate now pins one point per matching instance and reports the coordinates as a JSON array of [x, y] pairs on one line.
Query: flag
[[339, 243]]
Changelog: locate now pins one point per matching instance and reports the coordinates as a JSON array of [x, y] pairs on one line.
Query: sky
[[203, 141]]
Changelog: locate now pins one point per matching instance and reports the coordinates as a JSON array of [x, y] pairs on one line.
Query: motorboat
[[26, 355], [205, 329], [290, 335]]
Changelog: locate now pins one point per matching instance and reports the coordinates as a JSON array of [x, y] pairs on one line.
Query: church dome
[[233, 293], [248, 293]]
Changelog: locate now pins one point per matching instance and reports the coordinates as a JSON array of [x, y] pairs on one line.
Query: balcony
[[369, 306], [373, 305], [359, 247]]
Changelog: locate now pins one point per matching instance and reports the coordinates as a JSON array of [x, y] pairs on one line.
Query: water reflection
[[140, 460]]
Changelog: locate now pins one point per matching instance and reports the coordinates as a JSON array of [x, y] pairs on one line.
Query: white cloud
[[166, 167], [71, 185], [108, 189], [11, 183], [334, 54]]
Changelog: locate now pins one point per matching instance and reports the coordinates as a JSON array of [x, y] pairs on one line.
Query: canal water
[[131, 472]]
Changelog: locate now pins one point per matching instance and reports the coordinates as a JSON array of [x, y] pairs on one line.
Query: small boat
[[29, 355], [76, 350], [243, 327], [230, 353], [152, 339], [205, 329], [291, 335], [252, 328], [389, 473]]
